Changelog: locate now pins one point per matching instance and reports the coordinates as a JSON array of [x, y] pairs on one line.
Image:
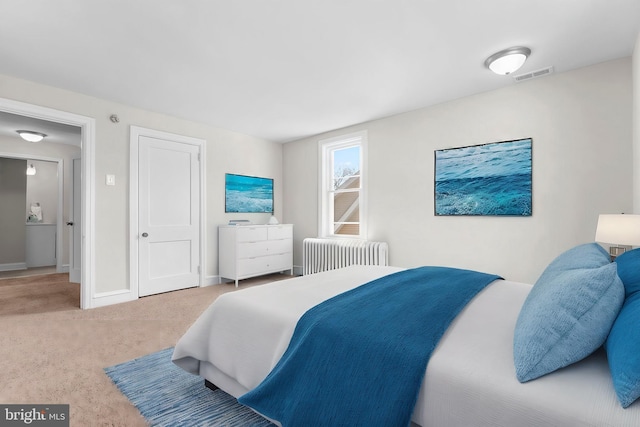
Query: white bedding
[[470, 379]]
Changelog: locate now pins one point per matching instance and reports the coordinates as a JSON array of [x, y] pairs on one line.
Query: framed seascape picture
[[248, 194], [488, 179]]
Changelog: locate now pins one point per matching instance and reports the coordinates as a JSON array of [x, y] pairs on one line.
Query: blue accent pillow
[[568, 313], [623, 344]]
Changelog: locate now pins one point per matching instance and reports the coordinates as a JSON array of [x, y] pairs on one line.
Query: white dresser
[[253, 250]]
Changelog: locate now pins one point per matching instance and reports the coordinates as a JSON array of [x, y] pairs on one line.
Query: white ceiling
[[286, 69]]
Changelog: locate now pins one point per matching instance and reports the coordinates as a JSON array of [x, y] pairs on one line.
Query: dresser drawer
[[265, 247], [280, 246], [280, 262], [253, 249], [251, 234], [280, 232], [265, 264]]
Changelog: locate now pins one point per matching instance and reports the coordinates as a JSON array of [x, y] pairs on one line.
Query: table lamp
[[621, 231]]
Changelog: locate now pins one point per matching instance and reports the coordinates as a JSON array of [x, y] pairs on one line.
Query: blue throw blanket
[[359, 358]]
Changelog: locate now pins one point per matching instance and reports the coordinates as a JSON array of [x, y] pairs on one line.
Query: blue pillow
[[629, 271], [568, 313], [623, 344]]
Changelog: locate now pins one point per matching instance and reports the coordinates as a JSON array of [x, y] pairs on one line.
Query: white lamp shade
[[508, 64], [618, 229]]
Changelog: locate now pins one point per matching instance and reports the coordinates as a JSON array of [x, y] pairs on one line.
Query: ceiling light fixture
[[507, 61], [31, 136]]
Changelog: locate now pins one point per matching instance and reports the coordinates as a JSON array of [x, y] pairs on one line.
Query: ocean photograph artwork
[[247, 194], [489, 179]]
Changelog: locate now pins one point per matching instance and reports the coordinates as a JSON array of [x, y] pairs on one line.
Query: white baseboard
[[113, 297], [13, 266], [103, 299], [63, 269], [297, 270], [211, 280]]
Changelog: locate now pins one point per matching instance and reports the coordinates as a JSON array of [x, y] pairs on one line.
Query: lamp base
[[615, 251]]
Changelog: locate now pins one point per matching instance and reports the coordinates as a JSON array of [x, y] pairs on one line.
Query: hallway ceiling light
[[508, 60], [31, 170], [31, 136]]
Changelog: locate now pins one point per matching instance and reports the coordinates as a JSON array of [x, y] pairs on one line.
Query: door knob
[[70, 223], [145, 234]]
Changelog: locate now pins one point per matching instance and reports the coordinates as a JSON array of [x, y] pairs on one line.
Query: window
[[342, 186]]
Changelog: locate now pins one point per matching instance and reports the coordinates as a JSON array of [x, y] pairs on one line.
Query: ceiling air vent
[[533, 74]]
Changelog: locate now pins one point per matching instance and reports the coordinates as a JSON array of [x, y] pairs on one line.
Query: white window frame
[[325, 180]]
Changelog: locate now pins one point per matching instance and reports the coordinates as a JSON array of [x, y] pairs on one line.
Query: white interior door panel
[[168, 215]]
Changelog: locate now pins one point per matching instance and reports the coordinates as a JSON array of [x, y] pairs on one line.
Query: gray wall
[[13, 190], [580, 122]]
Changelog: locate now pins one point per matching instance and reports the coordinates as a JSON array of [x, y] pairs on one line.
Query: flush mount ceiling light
[[31, 136], [507, 61]]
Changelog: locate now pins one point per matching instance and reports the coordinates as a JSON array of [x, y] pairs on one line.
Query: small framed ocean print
[[488, 179]]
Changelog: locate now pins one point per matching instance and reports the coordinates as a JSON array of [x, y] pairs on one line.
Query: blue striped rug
[[168, 396]]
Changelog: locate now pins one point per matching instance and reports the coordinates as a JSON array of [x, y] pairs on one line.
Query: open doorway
[[83, 128], [32, 214], [36, 250]]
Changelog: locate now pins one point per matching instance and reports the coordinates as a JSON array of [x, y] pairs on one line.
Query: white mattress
[[470, 379]]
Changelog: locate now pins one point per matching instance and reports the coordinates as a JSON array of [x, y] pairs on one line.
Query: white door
[[75, 239], [168, 215]]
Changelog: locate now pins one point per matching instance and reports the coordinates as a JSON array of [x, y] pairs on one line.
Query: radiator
[[329, 254]]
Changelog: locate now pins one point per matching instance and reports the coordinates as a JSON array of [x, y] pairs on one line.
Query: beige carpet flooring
[[53, 352], [38, 294]]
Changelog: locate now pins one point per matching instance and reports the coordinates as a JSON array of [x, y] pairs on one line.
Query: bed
[[470, 379]]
